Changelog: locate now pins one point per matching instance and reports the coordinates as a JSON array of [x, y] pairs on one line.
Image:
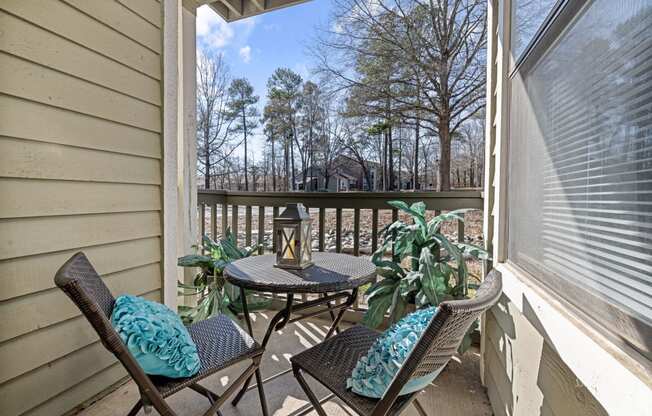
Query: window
[[527, 17], [580, 167]]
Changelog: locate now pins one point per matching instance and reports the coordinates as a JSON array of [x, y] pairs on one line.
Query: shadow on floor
[[457, 391]]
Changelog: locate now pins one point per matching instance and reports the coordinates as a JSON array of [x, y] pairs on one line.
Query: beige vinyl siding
[[80, 169], [523, 373]]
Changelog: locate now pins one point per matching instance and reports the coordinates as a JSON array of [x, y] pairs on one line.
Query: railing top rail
[[362, 200]]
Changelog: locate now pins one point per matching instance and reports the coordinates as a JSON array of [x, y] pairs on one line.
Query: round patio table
[[331, 276]]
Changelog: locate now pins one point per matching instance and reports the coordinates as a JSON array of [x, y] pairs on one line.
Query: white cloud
[[272, 27], [302, 69], [214, 32], [212, 29], [245, 54], [337, 27]]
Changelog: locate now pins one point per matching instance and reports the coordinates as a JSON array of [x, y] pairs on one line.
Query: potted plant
[[426, 269], [215, 294]]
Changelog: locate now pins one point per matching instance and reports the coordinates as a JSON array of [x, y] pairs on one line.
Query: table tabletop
[[331, 272]]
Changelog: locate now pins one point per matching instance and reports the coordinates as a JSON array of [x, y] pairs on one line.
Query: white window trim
[[619, 383]]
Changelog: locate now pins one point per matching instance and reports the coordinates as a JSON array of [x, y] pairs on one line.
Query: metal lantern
[[292, 231]]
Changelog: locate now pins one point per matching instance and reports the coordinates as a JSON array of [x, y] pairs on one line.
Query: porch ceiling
[[231, 10]]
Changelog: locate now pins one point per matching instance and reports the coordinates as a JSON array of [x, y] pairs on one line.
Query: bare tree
[[437, 47], [243, 111], [213, 140]]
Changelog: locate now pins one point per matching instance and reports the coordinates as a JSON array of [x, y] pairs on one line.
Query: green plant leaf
[[216, 295], [195, 260], [474, 251], [399, 205], [398, 307], [418, 214], [381, 288], [419, 207], [376, 311], [386, 264]]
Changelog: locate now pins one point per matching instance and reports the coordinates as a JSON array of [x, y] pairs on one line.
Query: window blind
[[581, 167]]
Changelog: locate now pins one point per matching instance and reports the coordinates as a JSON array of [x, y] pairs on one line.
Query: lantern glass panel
[[307, 249], [288, 243]]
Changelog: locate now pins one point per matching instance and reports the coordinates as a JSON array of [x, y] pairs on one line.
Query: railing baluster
[[460, 229], [338, 230], [322, 226], [225, 219], [234, 221], [261, 230], [248, 226], [374, 230], [394, 219], [437, 253], [356, 232], [214, 222], [275, 214], [202, 219]]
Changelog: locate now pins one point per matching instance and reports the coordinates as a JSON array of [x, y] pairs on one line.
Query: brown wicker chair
[[332, 361], [220, 343]]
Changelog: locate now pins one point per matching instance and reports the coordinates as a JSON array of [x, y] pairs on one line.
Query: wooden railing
[[215, 206]]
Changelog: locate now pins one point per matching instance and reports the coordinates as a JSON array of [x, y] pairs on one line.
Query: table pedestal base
[[284, 317]]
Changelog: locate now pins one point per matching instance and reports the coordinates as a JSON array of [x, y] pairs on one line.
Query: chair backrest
[[79, 280], [442, 337]]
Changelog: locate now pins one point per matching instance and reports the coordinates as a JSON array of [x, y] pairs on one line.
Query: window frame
[[579, 300]]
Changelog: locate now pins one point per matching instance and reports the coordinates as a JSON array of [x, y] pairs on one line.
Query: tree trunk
[[273, 166], [400, 160], [244, 126], [207, 174], [415, 175], [207, 158], [292, 164], [265, 173], [287, 164], [385, 161], [444, 155], [390, 155]]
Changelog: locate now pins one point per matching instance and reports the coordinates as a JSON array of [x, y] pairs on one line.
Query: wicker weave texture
[[332, 362], [450, 332], [331, 272], [220, 342]]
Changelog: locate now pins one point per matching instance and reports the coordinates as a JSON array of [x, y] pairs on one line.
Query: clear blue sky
[[255, 47]]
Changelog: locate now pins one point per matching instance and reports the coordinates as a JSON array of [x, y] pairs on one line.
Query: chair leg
[[231, 389], [261, 392], [134, 410], [212, 397], [311, 396], [419, 407]]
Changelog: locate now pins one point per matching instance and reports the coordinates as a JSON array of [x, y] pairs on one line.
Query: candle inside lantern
[[290, 244]]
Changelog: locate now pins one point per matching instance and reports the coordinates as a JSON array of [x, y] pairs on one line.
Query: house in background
[[347, 174], [97, 153]]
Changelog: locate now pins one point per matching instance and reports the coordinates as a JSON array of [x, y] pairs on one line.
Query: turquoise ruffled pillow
[[374, 372], [156, 337]]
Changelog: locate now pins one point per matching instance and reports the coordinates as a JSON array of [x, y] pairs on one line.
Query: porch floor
[[457, 391]]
